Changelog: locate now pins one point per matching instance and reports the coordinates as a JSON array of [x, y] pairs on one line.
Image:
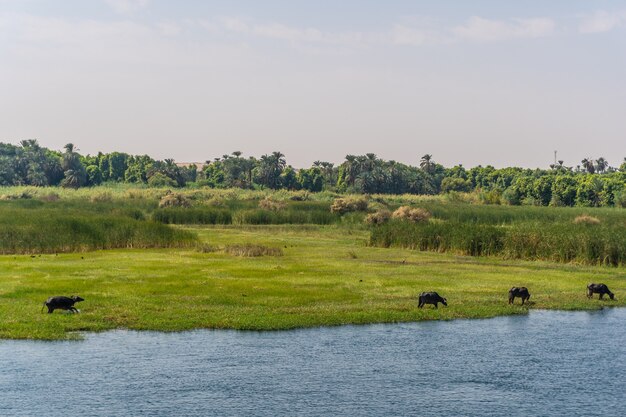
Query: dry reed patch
[[586, 219], [349, 204], [50, 197], [271, 204], [206, 248], [415, 215], [252, 250], [103, 197], [379, 217], [174, 200]]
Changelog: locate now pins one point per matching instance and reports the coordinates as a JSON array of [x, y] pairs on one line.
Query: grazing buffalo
[[431, 298], [599, 289], [62, 303], [521, 292]]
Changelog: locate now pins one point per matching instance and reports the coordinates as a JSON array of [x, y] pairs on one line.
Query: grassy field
[[327, 275]]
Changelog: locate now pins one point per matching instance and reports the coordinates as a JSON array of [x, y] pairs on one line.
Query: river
[[548, 363]]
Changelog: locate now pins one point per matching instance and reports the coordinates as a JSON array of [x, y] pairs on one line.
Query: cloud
[[169, 28], [404, 35], [412, 33], [290, 34], [601, 21], [478, 29], [127, 6]]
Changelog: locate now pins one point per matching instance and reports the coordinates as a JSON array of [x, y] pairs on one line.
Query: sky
[[496, 82]]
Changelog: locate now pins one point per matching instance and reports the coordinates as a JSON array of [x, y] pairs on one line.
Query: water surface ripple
[[543, 364]]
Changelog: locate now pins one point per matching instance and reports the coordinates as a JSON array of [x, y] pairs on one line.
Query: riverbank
[[326, 276]]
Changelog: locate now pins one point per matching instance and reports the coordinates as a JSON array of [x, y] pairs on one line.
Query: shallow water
[[546, 363]]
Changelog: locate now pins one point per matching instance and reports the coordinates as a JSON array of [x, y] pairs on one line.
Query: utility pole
[[554, 158]]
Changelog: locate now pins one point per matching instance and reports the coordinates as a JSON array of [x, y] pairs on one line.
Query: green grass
[[34, 227], [531, 233], [327, 276]]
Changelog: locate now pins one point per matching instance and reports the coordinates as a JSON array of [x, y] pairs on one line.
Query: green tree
[[589, 191], [74, 171], [269, 169], [288, 179], [94, 176], [311, 179]]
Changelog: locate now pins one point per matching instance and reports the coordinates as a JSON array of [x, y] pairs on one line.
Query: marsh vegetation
[[230, 259]]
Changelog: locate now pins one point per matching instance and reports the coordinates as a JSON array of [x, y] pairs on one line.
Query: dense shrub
[[379, 217], [174, 200], [415, 215], [349, 204], [270, 204]]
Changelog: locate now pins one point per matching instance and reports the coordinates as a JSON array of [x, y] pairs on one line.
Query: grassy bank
[[325, 276]]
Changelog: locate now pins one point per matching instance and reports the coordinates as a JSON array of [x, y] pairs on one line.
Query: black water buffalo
[[599, 289], [431, 298], [62, 303], [521, 292]]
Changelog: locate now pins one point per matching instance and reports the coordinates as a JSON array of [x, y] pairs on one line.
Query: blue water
[[543, 364]]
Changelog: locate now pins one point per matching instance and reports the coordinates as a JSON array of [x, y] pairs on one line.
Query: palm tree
[[72, 179], [587, 163], [71, 160], [350, 170], [601, 165], [30, 144], [426, 163]]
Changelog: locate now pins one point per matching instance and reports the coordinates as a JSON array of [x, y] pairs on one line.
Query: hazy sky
[[472, 82]]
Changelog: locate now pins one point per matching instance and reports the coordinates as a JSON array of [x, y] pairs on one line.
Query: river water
[[543, 364]]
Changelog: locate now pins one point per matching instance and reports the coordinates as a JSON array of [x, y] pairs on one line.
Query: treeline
[[592, 183]]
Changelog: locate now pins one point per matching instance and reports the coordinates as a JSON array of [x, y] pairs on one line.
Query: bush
[[620, 199], [269, 204], [511, 196], [349, 204], [415, 215], [490, 197], [161, 180], [379, 217], [174, 200], [303, 196]]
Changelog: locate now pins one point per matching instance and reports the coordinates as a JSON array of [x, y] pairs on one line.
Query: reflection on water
[[547, 363]]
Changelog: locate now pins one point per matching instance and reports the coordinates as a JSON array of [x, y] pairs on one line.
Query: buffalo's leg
[[601, 295], [50, 310]]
